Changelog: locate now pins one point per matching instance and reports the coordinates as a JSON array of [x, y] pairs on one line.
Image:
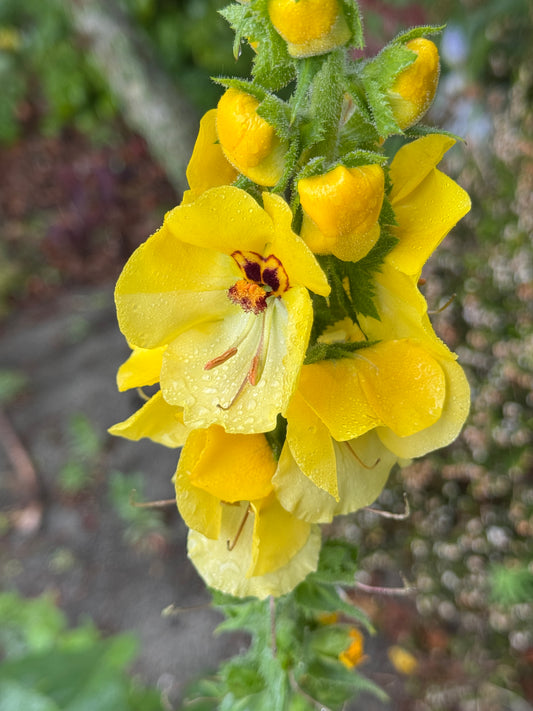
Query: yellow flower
[[341, 210], [414, 89], [248, 141], [223, 286], [352, 418], [309, 27], [353, 655], [241, 541], [426, 202], [208, 167], [156, 419], [402, 660]]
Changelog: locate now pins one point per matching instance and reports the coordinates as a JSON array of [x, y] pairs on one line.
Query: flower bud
[[341, 210], [249, 142], [309, 27], [413, 91]]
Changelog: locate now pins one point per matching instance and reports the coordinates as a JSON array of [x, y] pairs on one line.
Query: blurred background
[[98, 114]]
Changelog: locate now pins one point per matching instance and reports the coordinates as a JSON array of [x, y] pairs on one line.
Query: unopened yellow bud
[[309, 27], [354, 654], [402, 660], [341, 210], [248, 141], [413, 91]]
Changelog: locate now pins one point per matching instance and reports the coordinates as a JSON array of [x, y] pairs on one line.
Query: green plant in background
[[47, 667], [83, 447], [42, 63], [140, 523]]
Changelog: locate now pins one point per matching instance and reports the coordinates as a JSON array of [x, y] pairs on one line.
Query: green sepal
[[354, 22], [382, 114], [277, 113], [248, 87], [333, 351], [357, 158], [420, 129], [416, 32]]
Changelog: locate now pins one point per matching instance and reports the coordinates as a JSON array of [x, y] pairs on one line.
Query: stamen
[[221, 358], [365, 466], [443, 308], [230, 545]]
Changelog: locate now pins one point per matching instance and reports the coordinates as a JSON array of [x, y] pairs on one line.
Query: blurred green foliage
[[40, 62], [48, 667], [83, 447], [140, 522]]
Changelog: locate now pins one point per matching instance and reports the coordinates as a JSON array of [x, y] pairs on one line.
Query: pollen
[[249, 296]]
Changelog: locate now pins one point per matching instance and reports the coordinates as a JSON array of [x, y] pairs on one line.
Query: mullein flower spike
[[277, 308]]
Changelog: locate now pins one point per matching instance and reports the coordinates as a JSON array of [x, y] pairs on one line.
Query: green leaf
[[320, 597], [241, 676], [356, 158], [333, 351], [380, 108], [337, 563], [327, 96], [276, 437]]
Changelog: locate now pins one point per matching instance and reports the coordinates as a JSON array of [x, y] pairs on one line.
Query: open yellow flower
[[352, 418], [341, 210], [242, 541], [247, 140], [414, 89], [309, 27], [223, 286], [426, 202], [208, 167]]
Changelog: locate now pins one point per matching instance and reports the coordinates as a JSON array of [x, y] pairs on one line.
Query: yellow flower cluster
[[222, 305]]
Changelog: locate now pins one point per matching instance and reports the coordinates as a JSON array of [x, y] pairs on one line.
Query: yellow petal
[[363, 466], [168, 285], [331, 388], [234, 467], [200, 510], [224, 395], [142, 368], [224, 219], [277, 536], [208, 166], [297, 259], [156, 420], [311, 445], [226, 570], [415, 161], [427, 203], [446, 428], [403, 383]]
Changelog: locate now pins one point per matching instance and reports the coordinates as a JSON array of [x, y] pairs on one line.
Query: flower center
[[265, 276]]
